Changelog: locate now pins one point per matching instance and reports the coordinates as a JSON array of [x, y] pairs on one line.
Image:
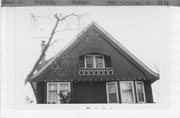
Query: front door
[[89, 92]]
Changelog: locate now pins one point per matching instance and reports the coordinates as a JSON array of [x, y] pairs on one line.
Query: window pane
[[64, 88], [111, 87], [99, 62], [53, 96], [112, 98], [89, 61], [112, 93], [127, 92], [52, 93], [139, 87], [52, 86]]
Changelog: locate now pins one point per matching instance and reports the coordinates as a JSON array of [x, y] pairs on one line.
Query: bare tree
[[58, 19]]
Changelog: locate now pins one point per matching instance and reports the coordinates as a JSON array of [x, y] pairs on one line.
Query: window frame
[[136, 82], [94, 61], [132, 84], [58, 88], [48, 83], [107, 92]]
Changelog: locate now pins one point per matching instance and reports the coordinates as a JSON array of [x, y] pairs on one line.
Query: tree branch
[[43, 52], [69, 16], [67, 29], [47, 45]]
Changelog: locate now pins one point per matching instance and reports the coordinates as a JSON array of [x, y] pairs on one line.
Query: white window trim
[[94, 60], [58, 88], [120, 83], [143, 92], [107, 92]]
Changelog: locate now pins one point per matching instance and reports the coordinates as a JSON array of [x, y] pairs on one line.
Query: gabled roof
[[111, 40]]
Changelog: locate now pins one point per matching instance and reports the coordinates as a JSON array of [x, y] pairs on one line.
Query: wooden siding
[[40, 93], [89, 92], [148, 92], [70, 63]]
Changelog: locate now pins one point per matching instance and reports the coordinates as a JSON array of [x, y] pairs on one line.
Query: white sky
[[142, 30]]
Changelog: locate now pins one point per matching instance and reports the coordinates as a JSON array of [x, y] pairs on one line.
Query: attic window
[[94, 61]]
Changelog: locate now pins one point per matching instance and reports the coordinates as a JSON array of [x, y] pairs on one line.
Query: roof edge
[[109, 36], [61, 51], [126, 50]]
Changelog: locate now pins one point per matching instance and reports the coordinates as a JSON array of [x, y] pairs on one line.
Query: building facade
[[94, 68]]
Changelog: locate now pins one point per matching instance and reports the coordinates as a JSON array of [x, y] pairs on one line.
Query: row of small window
[[95, 72], [127, 92]]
